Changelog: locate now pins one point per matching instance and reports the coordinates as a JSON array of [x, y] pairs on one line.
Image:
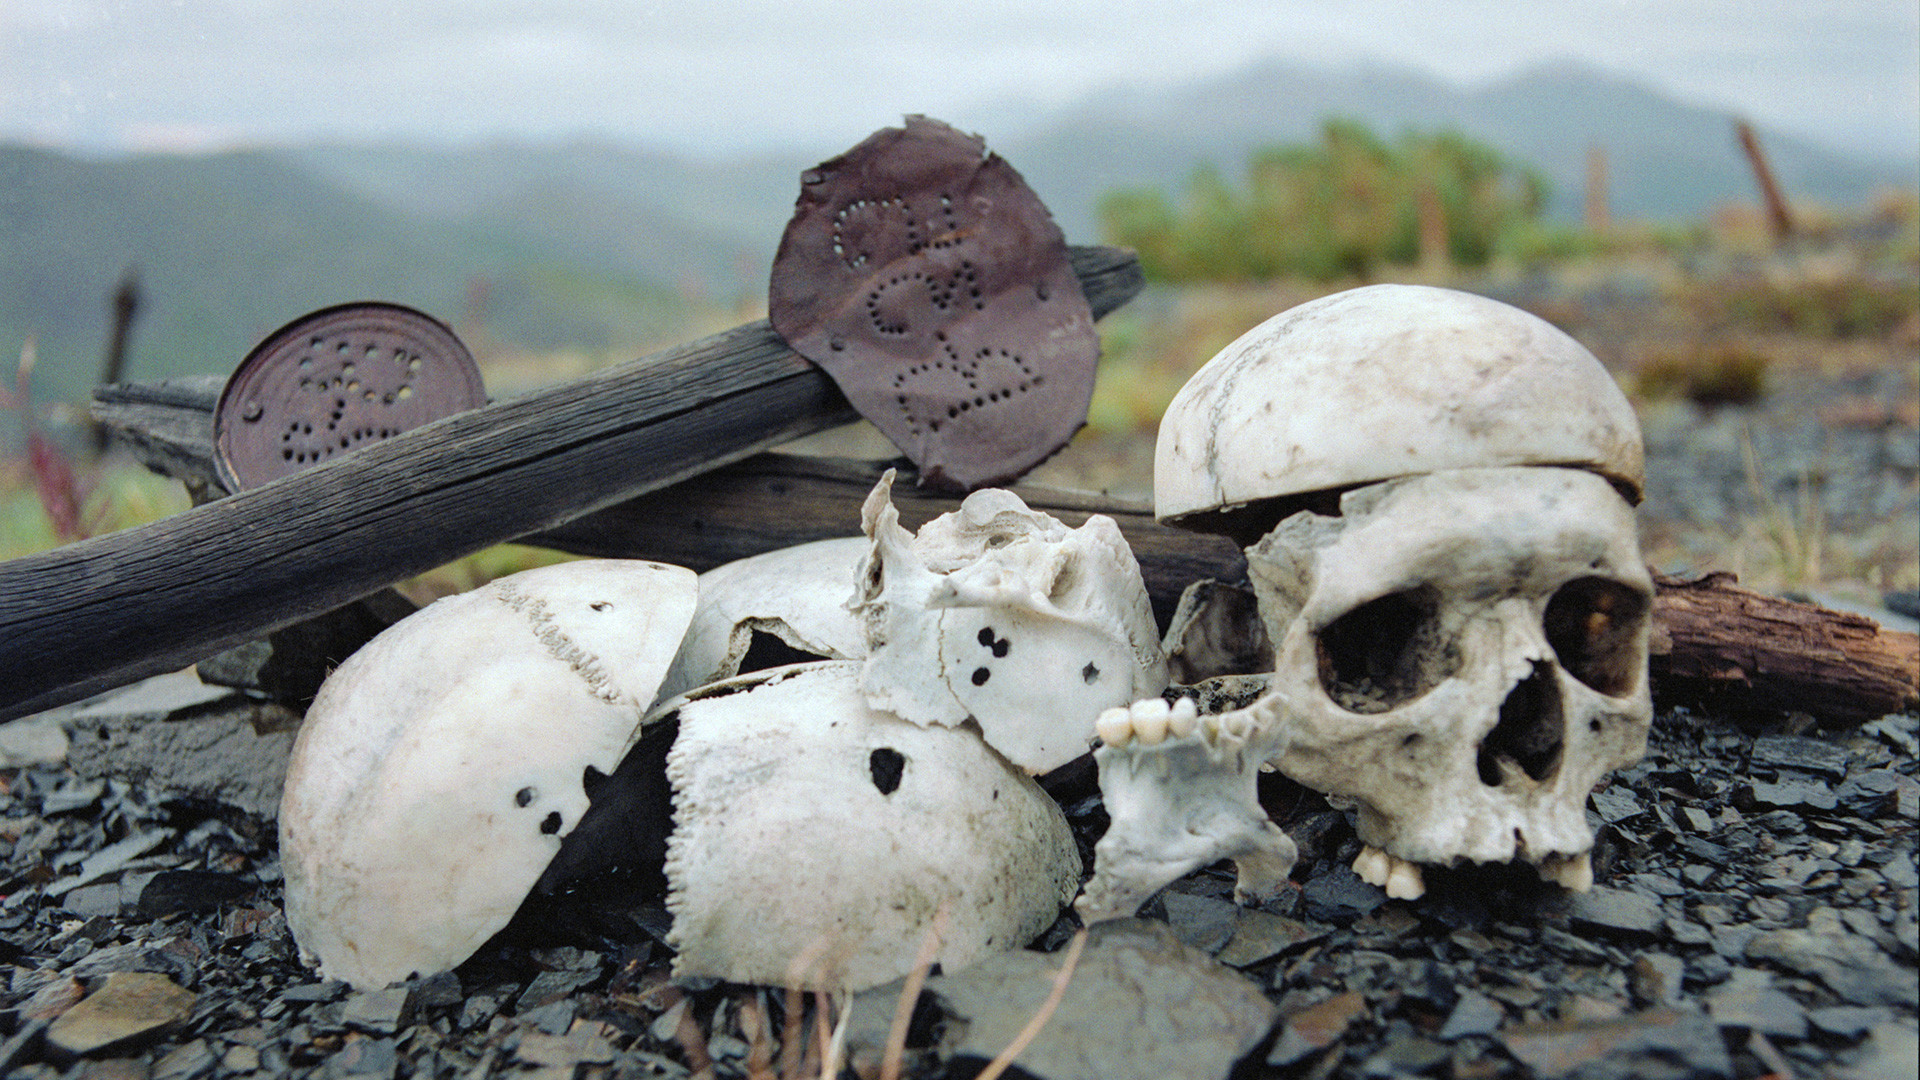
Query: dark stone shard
[[478, 1010], [188, 1061], [550, 986], [1200, 922], [1731, 941], [1617, 804], [1406, 1056], [440, 990], [378, 1012], [1756, 1006], [132, 957], [1687, 933], [931, 284], [1798, 752], [172, 892], [1617, 913], [1657, 884], [554, 1018], [1261, 935], [1658, 978], [313, 993], [1316, 1027], [1474, 1014], [1663, 1043], [1849, 965], [1705, 850], [364, 1057], [1792, 793], [1848, 1022], [1140, 1006], [1872, 793], [1339, 896], [1577, 949]]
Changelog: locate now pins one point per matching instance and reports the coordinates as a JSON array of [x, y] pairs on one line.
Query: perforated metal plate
[[930, 282], [336, 380]]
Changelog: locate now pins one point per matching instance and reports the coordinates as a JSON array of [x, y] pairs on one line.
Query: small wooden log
[[1734, 649], [106, 611]]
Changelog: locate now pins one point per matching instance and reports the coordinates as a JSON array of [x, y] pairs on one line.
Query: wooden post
[[106, 611], [1599, 212], [1779, 219], [126, 304]]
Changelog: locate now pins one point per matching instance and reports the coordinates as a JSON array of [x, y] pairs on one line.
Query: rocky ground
[[1754, 915]]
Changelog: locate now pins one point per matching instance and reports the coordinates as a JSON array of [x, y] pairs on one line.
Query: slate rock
[[130, 1007], [172, 892], [1792, 793], [1406, 1056], [1848, 1022], [1140, 1006], [188, 1061], [1316, 1027], [1474, 1014], [1873, 793], [1848, 964], [1261, 935], [1658, 978], [1891, 1052], [1339, 896], [1657, 1043], [379, 1012], [1201, 922], [1799, 752], [1752, 1003], [221, 756], [362, 1057], [1616, 913]]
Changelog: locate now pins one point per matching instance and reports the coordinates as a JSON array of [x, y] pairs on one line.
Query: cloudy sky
[[715, 76]]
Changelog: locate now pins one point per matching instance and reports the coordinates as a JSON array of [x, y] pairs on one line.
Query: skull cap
[[1386, 381]]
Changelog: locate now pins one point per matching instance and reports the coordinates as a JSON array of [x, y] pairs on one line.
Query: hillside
[[595, 246]]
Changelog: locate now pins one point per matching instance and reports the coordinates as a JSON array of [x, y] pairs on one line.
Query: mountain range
[[598, 247]]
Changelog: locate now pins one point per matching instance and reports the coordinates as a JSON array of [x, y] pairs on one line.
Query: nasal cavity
[[1530, 731]]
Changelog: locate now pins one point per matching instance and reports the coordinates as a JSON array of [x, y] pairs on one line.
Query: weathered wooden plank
[[112, 609]]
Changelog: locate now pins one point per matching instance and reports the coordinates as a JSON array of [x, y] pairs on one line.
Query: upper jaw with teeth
[[1404, 880]]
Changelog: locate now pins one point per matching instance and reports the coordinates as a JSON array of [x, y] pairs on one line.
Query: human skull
[[1436, 489], [1464, 655], [1001, 615]]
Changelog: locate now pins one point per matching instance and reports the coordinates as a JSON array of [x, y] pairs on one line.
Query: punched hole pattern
[[1015, 377], [343, 374]]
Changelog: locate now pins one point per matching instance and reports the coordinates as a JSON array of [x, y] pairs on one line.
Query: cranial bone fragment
[[1463, 656], [442, 764], [797, 594], [1385, 381], [1180, 789], [1002, 615], [815, 837]]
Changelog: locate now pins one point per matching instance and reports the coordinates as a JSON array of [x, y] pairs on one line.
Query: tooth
[[1573, 872], [1371, 864], [1113, 727], [1183, 718], [1404, 881], [1150, 722]]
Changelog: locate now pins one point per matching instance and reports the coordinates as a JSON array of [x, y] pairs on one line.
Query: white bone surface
[[798, 594], [815, 837], [441, 765], [1004, 616], [1504, 676], [1386, 381], [1180, 789]]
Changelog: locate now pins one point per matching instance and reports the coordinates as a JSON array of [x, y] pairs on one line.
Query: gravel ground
[[1754, 915]]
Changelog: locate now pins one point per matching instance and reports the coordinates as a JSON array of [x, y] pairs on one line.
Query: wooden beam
[[106, 611]]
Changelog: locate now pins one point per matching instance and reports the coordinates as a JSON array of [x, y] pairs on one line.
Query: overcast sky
[[719, 75]]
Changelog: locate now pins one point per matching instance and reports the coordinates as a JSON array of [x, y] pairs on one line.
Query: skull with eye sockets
[[1435, 492]]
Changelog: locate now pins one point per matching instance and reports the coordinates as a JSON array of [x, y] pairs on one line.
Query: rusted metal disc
[[930, 282], [336, 380]]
